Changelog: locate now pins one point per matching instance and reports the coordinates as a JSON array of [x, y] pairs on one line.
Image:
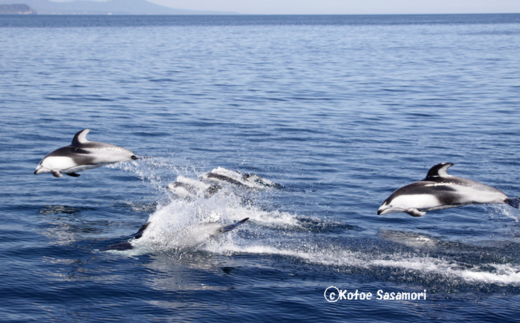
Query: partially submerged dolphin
[[190, 188], [439, 190], [203, 231], [224, 176], [211, 183], [81, 155]]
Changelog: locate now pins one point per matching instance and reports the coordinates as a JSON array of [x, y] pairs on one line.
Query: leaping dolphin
[[81, 155], [439, 190]]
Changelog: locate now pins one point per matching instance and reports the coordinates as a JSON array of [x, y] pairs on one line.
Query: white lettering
[[380, 295]]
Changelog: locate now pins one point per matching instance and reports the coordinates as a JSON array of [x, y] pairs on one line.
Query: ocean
[[338, 111]]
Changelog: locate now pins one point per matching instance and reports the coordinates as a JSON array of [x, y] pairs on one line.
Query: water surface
[[340, 110]]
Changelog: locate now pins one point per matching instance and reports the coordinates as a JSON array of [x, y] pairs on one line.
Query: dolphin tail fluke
[[230, 227], [135, 157], [139, 233], [514, 202]]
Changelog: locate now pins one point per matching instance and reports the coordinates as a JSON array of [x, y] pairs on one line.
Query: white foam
[[503, 274]]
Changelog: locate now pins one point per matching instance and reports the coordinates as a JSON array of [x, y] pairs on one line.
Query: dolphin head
[[40, 169], [54, 163], [387, 207], [398, 202]]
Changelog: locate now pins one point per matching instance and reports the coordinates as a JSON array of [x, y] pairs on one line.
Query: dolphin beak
[[38, 170], [385, 210]]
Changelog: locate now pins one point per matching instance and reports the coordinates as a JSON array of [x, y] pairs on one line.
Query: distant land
[[16, 9], [111, 7]]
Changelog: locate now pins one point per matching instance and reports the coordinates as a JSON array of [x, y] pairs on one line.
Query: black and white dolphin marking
[[439, 190], [211, 183], [211, 230], [81, 155], [190, 188], [225, 176]]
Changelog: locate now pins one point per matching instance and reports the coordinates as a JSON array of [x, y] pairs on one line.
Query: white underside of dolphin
[[438, 191], [82, 155]]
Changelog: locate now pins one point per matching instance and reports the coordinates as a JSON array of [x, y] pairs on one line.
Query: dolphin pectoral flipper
[[72, 174], [415, 213], [56, 173]]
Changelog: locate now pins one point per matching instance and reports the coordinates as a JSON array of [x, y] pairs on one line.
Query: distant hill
[[115, 7], [16, 9]]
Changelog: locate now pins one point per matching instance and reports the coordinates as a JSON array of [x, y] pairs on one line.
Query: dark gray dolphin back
[[80, 141]]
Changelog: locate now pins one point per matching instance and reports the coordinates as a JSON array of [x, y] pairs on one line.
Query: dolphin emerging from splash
[[439, 190], [81, 155], [204, 231]]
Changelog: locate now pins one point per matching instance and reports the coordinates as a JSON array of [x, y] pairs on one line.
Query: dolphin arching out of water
[[439, 190], [82, 155]]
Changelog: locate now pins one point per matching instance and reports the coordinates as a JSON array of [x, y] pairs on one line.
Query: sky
[[347, 6]]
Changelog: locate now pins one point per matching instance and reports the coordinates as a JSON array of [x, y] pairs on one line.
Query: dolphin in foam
[[200, 232], [225, 176], [190, 188], [439, 190], [81, 155], [212, 182]]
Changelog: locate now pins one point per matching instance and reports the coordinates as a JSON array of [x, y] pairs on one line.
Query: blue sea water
[[340, 110]]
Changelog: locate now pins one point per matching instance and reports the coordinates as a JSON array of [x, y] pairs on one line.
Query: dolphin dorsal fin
[[440, 170], [80, 137]]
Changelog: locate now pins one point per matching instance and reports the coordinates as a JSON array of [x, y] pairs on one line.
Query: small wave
[[62, 209]]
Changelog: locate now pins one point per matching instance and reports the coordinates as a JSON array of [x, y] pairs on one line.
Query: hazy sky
[[347, 6]]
